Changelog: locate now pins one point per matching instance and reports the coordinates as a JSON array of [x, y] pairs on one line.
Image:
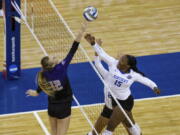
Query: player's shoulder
[[114, 62], [113, 67], [133, 73]]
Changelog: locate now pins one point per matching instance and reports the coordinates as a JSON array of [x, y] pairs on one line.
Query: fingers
[[90, 38], [87, 36], [157, 91], [27, 92], [99, 41], [84, 26]]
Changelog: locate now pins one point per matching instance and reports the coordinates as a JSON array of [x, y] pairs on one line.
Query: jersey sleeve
[[100, 67], [103, 55], [71, 53], [144, 80]]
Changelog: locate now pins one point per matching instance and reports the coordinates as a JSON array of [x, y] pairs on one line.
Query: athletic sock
[[106, 132]]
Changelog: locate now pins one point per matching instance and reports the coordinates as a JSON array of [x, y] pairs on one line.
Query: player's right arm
[[101, 53], [33, 93]]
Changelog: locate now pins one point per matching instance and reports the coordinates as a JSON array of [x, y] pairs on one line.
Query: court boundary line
[[88, 105], [40, 121]]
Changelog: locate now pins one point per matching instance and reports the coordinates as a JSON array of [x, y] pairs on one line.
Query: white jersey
[[119, 83]]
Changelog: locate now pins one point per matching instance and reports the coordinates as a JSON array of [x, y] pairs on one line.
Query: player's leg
[[118, 116], [126, 122], [63, 125], [53, 124], [102, 120], [127, 129], [132, 130], [99, 125], [62, 113]]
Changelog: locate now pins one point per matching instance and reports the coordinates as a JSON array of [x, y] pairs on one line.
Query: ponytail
[[44, 85], [133, 62]]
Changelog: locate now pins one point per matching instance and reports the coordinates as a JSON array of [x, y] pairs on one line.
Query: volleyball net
[[54, 37]]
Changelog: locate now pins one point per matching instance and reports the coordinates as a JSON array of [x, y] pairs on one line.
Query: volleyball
[[90, 13]]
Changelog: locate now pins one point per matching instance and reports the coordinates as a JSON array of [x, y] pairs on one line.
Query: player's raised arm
[[101, 53], [75, 44], [100, 67], [81, 32]]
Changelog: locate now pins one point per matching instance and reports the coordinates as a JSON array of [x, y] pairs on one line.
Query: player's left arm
[[96, 44], [146, 81], [75, 45]]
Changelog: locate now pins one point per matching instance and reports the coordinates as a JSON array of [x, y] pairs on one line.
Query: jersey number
[[56, 85], [117, 83]]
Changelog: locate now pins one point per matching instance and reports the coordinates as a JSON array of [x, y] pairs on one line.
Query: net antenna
[[24, 20]]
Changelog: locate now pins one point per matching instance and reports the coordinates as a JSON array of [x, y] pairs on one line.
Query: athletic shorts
[[107, 112], [60, 110], [126, 104]]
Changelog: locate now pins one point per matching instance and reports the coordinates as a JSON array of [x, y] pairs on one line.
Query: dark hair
[[45, 64], [133, 62]]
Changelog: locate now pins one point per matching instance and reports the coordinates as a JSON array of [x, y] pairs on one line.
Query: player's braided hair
[[133, 62]]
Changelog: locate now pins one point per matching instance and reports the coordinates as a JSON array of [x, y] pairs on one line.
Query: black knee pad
[[107, 112]]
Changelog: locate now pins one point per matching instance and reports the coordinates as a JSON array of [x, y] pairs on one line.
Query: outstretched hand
[[31, 93], [83, 29], [99, 41], [157, 90], [84, 26], [90, 39]]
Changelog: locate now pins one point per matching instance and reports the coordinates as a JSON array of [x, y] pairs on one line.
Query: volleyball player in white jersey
[[121, 75]]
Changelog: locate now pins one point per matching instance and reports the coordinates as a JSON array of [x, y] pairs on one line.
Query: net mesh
[[49, 29], [57, 41]]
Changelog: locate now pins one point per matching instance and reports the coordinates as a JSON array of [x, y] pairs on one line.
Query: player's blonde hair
[[44, 85]]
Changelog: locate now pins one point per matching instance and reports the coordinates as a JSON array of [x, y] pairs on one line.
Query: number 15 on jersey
[[118, 83]]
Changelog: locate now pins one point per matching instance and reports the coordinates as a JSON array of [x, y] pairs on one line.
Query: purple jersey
[[57, 78]]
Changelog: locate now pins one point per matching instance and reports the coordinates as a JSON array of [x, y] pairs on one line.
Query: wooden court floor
[[138, 27], [155, 116]]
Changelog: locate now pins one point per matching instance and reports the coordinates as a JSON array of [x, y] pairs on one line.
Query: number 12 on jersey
[[56, 85], [118, 83]]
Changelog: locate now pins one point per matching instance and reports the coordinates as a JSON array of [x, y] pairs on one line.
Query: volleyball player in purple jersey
[[53, 80]]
